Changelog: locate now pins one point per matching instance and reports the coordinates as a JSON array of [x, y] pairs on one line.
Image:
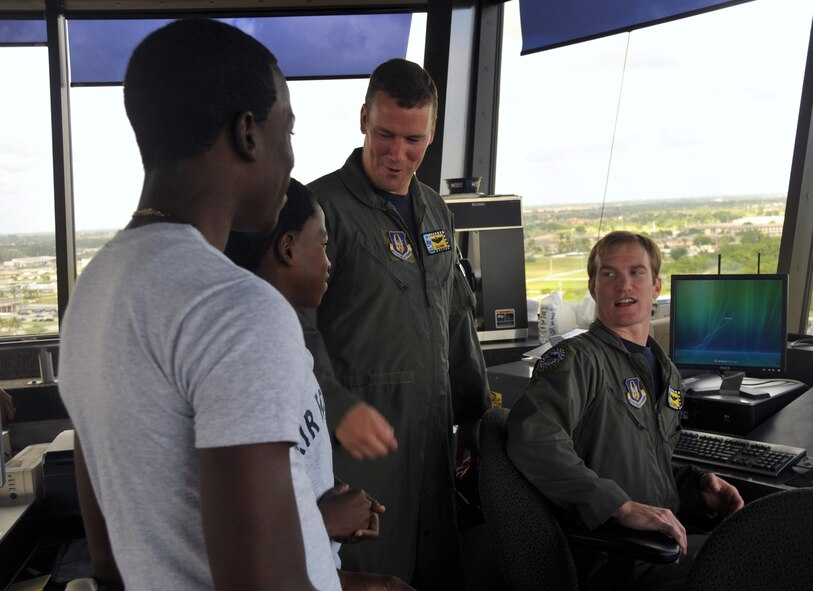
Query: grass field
[[567, 274]]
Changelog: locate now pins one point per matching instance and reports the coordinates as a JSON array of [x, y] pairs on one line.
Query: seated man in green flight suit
[[597, 424]]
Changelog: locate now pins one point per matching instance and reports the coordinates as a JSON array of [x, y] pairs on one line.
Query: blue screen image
[[728, 322]]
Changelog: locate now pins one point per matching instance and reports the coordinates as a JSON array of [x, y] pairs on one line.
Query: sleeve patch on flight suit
[[436, 242], [636, 394], [399, 245], [552, 360], [675, 399]]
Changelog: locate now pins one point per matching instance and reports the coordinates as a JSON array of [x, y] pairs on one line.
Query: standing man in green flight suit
[[396, 352], [597, 425]]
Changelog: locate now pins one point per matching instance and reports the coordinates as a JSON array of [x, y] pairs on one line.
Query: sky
[[708, 107]]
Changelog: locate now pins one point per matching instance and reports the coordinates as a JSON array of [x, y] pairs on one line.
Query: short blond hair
[[617, 238]]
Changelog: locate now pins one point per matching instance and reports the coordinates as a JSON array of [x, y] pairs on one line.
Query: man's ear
[[363, 119], [286, 246], [245, 135], [432, 134], [591, 287]]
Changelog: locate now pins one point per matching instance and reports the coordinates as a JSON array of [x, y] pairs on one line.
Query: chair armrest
[[86, 584], [614, 538]]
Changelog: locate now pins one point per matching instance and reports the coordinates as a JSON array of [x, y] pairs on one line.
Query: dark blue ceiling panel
[[22, 32], [553, 23], [305, 46]]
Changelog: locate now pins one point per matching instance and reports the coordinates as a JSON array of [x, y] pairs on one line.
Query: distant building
[[30, 262], [10, 307], [768, 225]]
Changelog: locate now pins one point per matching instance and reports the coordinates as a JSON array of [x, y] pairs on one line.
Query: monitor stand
[[731, 385]]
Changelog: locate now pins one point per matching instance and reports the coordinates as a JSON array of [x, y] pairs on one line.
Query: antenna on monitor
[[759, 258], [719, 263]]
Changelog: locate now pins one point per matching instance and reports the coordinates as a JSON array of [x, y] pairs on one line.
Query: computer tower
[[489, 234], [732, 414]]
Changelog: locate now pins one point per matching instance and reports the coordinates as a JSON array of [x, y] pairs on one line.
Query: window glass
[[696, 153], [810, 319], [107, 166], [28, 287]]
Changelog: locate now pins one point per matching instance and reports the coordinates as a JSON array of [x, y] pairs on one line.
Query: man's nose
[[398, 151]]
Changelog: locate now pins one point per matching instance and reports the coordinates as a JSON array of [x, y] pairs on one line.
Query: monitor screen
[[2, 454], [729, 323]]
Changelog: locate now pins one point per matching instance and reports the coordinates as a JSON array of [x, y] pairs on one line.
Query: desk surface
[[11, 514], [792, 425]]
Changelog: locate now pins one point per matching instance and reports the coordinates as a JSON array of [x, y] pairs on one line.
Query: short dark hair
[[247, 249], [617, 238], [187, 80], [408, 83]]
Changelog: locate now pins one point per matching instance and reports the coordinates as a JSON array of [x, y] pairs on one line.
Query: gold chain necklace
[[150, 212]]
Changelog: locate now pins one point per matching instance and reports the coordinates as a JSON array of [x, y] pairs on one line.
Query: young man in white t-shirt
[[188, 409]]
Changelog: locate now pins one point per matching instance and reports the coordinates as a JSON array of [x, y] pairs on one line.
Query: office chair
[[765, 545], [531, 548]]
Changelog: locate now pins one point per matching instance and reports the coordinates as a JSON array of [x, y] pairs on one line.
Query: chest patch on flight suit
[[399, 245], [436, 242], [552, 360], [636, 394], [675, 399]]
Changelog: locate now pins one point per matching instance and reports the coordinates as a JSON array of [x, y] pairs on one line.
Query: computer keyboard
[[768, 459]]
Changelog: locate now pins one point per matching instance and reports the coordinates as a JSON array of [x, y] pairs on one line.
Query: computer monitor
[[2, 454], [731, 325]]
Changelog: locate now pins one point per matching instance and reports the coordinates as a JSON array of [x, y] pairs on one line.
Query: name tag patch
[[436, 242], [675, 399], [636, 394]]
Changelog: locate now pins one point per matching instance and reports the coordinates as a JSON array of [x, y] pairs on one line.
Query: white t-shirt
[[167, 347], [314, 445]]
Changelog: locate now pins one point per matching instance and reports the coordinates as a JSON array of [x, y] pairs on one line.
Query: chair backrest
[[765, 545], [524, 535]]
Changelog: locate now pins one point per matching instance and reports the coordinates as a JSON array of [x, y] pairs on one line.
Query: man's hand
[[370, 582], [719, 495], [645, 517], [350, 515], [365, 433], [468, 446], [6, 406]]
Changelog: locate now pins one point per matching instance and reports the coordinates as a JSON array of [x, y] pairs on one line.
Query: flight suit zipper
[[390, 211], [636, 421]]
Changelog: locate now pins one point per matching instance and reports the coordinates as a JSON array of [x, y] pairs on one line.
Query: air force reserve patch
[[636, 395], [399, 245], [675, 399], [554, 359], [436, 242]]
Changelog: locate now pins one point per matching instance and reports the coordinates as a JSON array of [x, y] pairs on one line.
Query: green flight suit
[[396, 330], [591, 434]]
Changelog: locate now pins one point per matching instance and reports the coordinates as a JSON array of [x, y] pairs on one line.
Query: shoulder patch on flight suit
[[399, 245], [675, 399], [436, 242], [636, 394], [554, 359]]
